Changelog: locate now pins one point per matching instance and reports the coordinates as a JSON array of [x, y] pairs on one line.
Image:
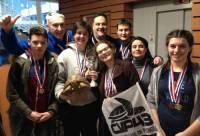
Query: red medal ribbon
[[174, 87], [141, 73], [109, 86], [41, 84], [124, 51], [81, 64]]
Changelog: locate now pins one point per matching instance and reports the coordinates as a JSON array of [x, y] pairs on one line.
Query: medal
[[178, 106], [174, 87], [124, 51], [81, 64], [40, 86], [41, 91], [109, 86]]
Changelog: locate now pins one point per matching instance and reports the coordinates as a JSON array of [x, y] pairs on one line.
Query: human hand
[[7, 22], [91, 74], [45, 116], [78, 98], [161, 132], [181, 134], [34, 116], [64, 96], [158, 60]]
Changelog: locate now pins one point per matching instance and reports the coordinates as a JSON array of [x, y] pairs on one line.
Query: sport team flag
[[128, 114]]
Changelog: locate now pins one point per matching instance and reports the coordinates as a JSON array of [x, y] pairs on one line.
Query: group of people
[[37, 78]]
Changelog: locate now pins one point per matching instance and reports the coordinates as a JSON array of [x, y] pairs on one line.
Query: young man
[[125, 39], [57, 36], [30, 90]]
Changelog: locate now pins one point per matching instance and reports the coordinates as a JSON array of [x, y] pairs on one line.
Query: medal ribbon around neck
[[81, 65], [124, 51], [41, 85], [28, 52], [94, 41], [109, 86], [174, 88], [141, 73]]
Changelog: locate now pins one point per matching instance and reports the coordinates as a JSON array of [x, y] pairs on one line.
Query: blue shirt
[[17, 46], [173, 121], [3, 58]]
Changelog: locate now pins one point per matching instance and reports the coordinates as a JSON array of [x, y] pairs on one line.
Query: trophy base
[[93, 84]]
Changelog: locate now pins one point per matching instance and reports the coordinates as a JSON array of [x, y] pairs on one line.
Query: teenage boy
[[125, 39], [57, 36], [30, 88]]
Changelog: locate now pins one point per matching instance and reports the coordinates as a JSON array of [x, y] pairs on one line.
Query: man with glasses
[[57, 36]]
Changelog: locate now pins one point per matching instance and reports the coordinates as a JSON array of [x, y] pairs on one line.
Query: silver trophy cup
[[91, 65]]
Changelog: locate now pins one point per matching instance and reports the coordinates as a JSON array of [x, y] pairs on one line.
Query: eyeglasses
[[103, 50]]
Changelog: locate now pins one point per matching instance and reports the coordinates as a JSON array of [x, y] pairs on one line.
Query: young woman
[[80, 110], [143, 61], [115, 76], [174, 88]]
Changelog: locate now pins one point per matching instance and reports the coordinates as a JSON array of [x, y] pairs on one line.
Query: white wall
[[155, 18]]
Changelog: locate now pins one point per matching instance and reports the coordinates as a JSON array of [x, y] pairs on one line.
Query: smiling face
[[56, 25], [178, 50], [81, 38], [123, 32], [138, 49], [99, 27], [38, 46], [105, 53]]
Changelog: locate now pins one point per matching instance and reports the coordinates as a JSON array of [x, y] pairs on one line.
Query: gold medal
[[41, 90], [178, 106], [40, 85]]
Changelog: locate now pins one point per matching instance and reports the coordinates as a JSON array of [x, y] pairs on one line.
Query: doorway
[[153, 20]]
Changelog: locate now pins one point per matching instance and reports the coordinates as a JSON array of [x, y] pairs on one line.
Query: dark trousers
[[80, 119], [103, 126], [21, 126]]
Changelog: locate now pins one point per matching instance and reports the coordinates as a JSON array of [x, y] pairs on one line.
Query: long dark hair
[[148, 55]]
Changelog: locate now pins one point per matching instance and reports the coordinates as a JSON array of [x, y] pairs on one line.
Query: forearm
[[193, 129], [155, 116], [157, 122], [58, 90], [11, 43], [53, 107], [62, 77]]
